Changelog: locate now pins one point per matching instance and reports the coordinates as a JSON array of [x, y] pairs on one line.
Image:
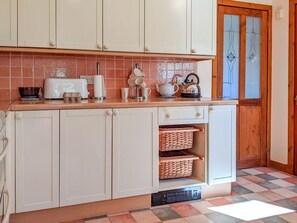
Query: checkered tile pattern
[[263, 184]]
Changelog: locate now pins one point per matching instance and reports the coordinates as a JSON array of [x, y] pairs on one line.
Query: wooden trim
[[242, 57], [83, 211], [291, 105], [245, 5], [104, 53]]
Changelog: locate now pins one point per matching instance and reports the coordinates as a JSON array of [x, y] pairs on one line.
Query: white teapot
[[167, 90]]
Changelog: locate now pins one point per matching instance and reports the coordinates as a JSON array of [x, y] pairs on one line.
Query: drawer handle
[[115, 112], [52, 43], [168, 116], [198, 114], [19, 116], [109, 113]]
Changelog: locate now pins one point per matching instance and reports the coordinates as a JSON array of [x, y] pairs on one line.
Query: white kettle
[[167, 90]]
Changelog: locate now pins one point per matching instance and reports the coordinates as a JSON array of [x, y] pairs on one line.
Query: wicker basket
[[172, 138], [176, 164]]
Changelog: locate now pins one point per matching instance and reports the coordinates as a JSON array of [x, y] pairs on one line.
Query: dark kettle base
[[190, 95]]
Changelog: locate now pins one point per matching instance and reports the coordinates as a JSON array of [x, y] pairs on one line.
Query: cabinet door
[[127, 35], [37, 23], [135, 152], [204, 20], [8, 22], [79, 24], [85, 159], [37, 160], [222, 144], [167, 26]]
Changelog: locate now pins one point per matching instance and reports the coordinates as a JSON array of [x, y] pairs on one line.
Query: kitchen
[[55, 145]]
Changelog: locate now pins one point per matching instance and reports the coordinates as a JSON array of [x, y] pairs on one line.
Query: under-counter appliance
[[54, 88], [4, 194]]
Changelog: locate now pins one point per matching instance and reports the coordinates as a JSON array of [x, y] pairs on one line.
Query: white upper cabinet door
[[85, 161], [222, 144], [204, 20], [79, 24], [37, 23], [123, 25], [167, 26], [37, 160], [135, 152], [8, 22]]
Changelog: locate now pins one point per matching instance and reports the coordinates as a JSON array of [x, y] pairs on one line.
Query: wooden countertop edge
[[19, 106]]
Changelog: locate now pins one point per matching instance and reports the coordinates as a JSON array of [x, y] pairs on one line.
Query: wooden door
[[85, 156], [79, 24], [8, 22], [37, 160], [242, 74], [222, 144], [37, 23], [135, 152], [123, 36], [295, 92], [167, 26]]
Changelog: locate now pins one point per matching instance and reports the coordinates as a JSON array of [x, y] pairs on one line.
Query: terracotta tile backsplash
[[30, 70]]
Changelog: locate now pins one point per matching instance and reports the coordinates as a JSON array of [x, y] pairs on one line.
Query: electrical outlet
[[180, 80], [90, 79]]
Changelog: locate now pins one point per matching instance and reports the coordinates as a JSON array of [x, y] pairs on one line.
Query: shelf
[[171, 184]]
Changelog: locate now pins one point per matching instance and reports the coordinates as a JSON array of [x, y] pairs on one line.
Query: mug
[[146, 92], [125, 93]]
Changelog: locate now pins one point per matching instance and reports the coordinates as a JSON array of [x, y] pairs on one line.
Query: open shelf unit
[[199, 174]]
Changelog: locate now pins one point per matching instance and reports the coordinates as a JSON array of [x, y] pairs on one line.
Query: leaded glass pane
[[231, 56], [252, 69]]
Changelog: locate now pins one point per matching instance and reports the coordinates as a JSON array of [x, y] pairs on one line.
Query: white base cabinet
[[135, 152], [85, 156], [222, 144], [37, 160]]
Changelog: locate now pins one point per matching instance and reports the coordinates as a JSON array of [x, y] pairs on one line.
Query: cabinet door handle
[[52, 43], [115, 112], [168, 116], [108, 112], [105, 46], [210, 109], [99, 46], [19, 116], [147, 49], [194, 51], [198, 114]]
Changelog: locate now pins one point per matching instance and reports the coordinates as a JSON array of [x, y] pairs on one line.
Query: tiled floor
[[261, 184]]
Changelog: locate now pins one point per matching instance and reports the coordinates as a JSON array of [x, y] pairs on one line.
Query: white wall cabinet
[[8, 22], [37, 23], [222, 144], [135, 152], [85, 156], [204, 20], [167, 26], [37, 160], [79, 24], [123, 25]]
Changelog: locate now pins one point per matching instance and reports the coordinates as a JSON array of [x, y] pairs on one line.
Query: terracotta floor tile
[[253, 179], [124, 218], [181, 220], [252, 171], [292, 217], [185, 209], [292, 180], [265, 169], [257, 197], [242, 181], [282, 183], [270, 195], [101, 220], [294, 199], [145, 217], [202, 206], [279, 175], [219, 201]]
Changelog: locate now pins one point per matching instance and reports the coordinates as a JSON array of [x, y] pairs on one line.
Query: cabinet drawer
[[183, 115]]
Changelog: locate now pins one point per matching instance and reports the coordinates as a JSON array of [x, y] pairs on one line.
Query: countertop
[[5, 105], [110, 103]]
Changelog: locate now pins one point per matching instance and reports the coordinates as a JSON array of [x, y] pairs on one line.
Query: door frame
[[292, 150], [215, 77]]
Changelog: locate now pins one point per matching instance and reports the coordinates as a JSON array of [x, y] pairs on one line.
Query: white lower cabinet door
[[222, 144], [37, 160], [85, 156], [135, 152]]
